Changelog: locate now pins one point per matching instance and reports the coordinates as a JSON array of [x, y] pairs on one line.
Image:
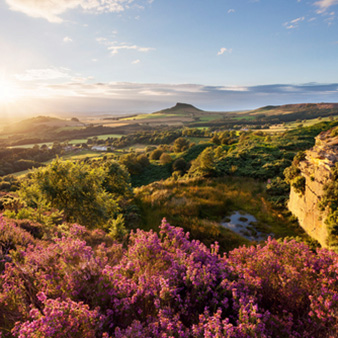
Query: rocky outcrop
[[316, 169]]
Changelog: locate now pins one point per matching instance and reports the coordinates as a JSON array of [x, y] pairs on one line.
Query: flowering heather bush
[[59, 319], [164, 285]]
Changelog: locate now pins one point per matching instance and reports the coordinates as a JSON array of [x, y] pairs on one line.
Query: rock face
[[316, 168]]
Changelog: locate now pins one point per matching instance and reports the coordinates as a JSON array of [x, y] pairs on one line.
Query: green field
[[208, 118], [198, 140], [75, 141], [296, 124], [152, 116], [245, 117]]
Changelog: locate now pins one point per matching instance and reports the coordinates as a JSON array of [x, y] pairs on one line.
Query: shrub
[[164, 285], [298, 184], [156, 154], [165, 158]]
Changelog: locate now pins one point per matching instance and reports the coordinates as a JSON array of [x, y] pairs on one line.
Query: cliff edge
[[315, 171]]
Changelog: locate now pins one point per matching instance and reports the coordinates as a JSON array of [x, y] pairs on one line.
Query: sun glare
[[8, 92]]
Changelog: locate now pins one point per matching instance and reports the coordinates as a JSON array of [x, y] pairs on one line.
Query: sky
[[130, 56]]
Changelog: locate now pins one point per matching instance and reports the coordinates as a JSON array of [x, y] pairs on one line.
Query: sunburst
[[8, 92]]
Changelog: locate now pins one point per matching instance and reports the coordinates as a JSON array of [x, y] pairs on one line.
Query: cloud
[[135, 62], [224, 50], [293, 23], [231, 10], [324, 5], [114, 47], [52, 9], [89, 96], [67, 39], [44, 74]]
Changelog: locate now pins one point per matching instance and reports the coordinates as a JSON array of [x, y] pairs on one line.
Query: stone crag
[[316, 169]]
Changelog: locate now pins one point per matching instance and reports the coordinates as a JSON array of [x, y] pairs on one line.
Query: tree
[[165, 159], [117, 180], [216, 140], [143, 160], [131, 163], [181, 144], [204, 165], [155, 154], [180, 165], [85, 194]]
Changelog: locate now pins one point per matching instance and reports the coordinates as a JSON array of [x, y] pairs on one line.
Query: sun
[[8, 92]]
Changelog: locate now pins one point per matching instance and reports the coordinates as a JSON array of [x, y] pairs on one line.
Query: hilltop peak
[[181, 108], [184, 105]]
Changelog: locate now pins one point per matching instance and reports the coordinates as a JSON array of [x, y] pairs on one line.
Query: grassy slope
[[199, 205]]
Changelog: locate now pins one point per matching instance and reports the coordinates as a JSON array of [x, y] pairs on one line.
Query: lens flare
[[8, 92]]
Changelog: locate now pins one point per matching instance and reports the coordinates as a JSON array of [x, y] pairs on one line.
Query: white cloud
[[224, 50], [67, 39], [231, 11], [293, 23], [325, 4], [114, 47], [235, 88], [52, 9], [135, 62], [89, 96], [44, 74]]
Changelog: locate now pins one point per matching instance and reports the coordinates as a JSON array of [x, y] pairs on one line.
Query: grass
[[21, 173], [208, 118], [198, 140], [104, 137], [245, 117], [138, 147], [73, 141], [295, 124], [31, 145], [81, 155], [151, 116], [199, 206]]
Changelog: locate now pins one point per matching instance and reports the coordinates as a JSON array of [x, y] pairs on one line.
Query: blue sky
[[81, 56]]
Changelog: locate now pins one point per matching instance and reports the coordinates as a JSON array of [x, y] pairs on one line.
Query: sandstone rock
[[316, 168]]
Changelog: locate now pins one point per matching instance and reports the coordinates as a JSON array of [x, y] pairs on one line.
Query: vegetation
[[118, 274], [199, 205], [329, 202], [154, 287]]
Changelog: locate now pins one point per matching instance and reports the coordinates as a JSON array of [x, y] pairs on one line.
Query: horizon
[[140, 56]]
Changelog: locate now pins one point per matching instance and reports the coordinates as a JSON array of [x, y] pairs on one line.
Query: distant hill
[[42, 122], [180, 108], [308, 109]]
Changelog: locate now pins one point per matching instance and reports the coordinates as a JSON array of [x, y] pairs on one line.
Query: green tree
[[165, 158], [204, 165], [181, 144], [216, 140], [131, 163], [117, 180], [155, 154], [87, 195], [180, 165]]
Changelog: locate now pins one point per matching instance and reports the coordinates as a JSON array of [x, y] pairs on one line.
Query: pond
[[244, 225]]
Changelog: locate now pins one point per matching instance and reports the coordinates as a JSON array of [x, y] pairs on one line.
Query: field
[[151, 116], [75, 141]]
